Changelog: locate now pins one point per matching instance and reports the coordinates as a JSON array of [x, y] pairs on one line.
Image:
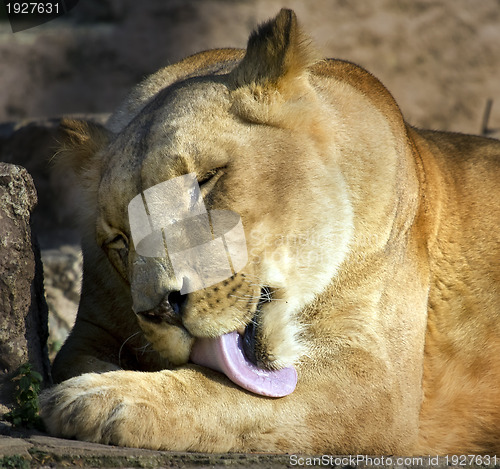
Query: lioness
[[371, 278]]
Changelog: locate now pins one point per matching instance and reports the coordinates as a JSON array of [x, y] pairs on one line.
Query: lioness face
[[259, 158]]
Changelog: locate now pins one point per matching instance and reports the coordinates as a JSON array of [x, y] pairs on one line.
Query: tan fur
[[377, 243]]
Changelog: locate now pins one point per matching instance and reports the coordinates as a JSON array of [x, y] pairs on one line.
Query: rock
[[32, 144], [63, 273], [23, 310]]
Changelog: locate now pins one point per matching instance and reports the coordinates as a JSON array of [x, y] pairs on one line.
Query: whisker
[[144, 348], [122, 345]]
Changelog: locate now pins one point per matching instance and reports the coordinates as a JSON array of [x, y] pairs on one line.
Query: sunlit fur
[[373, 265]]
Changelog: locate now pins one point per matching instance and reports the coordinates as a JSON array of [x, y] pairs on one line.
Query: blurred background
[[440, 60]]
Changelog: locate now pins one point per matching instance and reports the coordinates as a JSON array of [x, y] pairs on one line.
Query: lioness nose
[[169, 309]]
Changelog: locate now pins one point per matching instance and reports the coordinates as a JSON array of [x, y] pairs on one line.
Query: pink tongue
[[225, 354]]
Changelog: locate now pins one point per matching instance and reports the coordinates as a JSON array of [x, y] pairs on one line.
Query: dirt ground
[[440, 60]]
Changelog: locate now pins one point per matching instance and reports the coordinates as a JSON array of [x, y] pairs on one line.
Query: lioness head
[[255, 133]]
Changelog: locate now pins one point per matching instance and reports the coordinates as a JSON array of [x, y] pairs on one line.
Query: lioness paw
[[110, 408]]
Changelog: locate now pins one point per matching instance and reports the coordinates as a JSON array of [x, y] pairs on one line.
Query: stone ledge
[[34, 449], [40, 450]]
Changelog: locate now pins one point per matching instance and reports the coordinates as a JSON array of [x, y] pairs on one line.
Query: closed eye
[[118, 242], [117, 251], [209, 179]]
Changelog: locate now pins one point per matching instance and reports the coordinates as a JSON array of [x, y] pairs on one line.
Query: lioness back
[[463, 332]]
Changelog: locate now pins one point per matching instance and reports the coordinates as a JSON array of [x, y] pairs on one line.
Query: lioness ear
[[80, 143], [276, 52]]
